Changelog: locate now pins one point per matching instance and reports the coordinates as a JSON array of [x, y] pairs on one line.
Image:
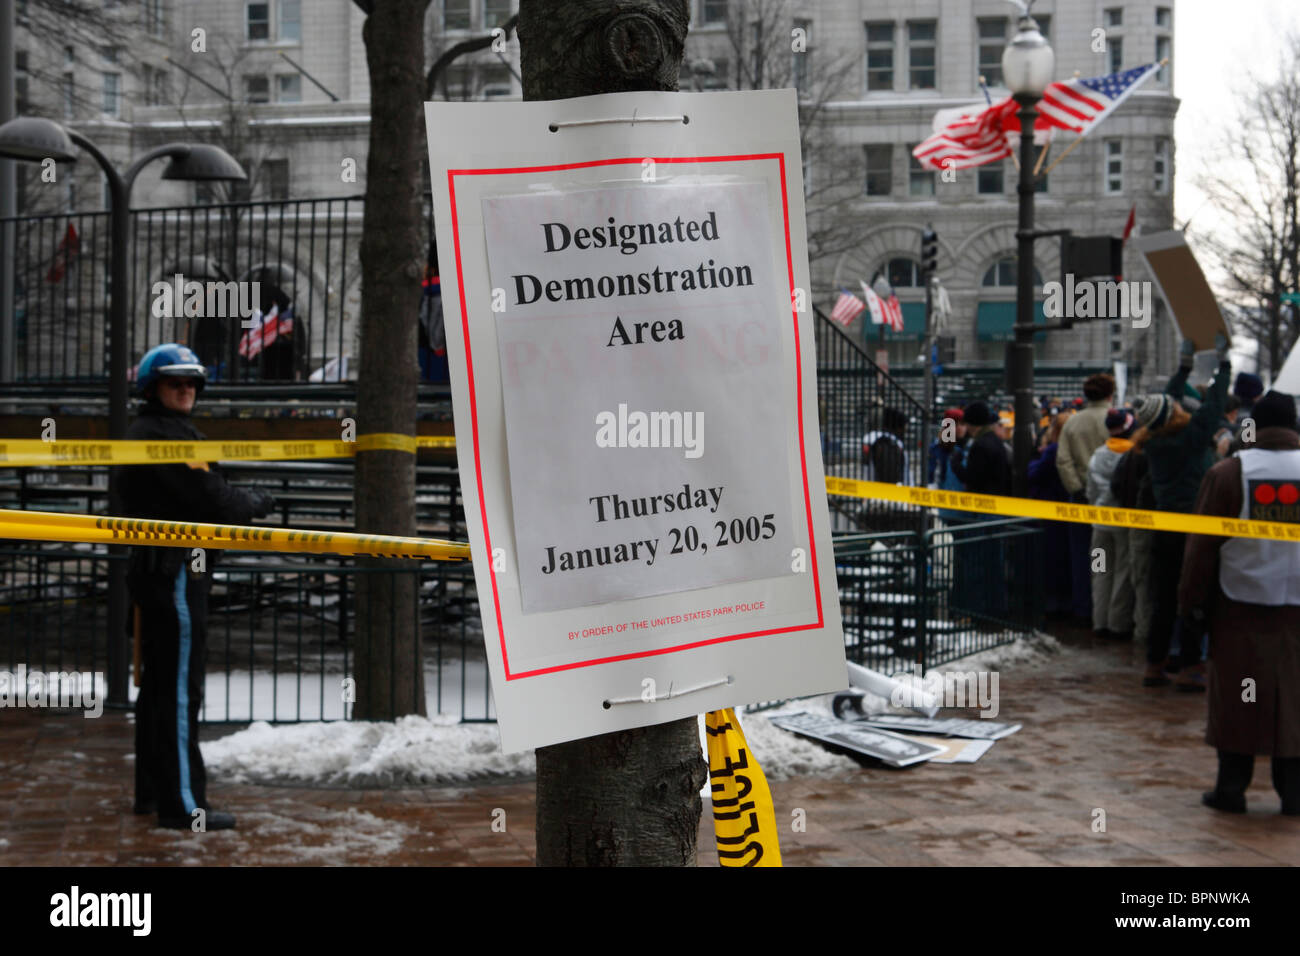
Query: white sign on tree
[[635, 399]]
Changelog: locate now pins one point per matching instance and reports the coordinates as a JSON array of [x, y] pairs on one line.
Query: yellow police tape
[[1008, 507], [35, 452], [54, 526], [744, 823], [31, 452]]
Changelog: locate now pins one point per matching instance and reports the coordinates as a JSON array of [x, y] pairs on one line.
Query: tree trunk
[[390, 679], [630, 798]]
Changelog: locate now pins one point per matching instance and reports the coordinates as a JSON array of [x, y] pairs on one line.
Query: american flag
[[266, 329], [970, 139], [1079, 105], [972, 136], [847, 308]]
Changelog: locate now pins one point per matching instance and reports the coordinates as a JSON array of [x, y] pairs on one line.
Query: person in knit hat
[[1179, 449], [1247, 590], [1112, 582], [1247, 388]]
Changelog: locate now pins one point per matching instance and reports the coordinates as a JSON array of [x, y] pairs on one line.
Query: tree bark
[[630, 798], [390, 678]]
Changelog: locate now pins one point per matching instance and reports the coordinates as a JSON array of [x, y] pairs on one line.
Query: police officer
[[1248, 591], [169, 591]]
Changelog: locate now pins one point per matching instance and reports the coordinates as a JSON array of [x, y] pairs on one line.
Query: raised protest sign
[[1183, 286], [634, 388]]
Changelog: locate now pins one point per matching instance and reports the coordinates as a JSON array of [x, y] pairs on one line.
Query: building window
[[880, 56], [153, 17], [288, 88], [921, 52], [276, 176], [1161, 166], [113, 94], [257, 89], [992, 42], [495, 13], [1044, 25], [990, 180], [1112, 17], [920, 181], [1114, 167], [880, 161], [903, 273], [1164, 18], [1164, 51], [290, 25], [496, 83], [20, 81], [1003, 273], [1115, 50], [713, 11], [69, 56], [801, 61], [456, 14], [69, 96], [258, 19], [1040, 184], [205, 193]]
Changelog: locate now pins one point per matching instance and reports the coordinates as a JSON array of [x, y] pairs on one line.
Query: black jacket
[[175, 492], [986, 469]]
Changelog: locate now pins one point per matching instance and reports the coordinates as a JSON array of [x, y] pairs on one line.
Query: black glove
[[262, 502]]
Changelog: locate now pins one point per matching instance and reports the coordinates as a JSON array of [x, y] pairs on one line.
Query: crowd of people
[[1213, 612]]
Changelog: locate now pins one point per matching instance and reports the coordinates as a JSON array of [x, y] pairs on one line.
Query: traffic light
[[929, 253]]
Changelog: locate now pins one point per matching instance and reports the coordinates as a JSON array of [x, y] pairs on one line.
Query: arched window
[[903, 273], [1002, 274]]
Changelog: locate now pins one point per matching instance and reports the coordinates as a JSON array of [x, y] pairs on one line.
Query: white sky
[[1217, 44]]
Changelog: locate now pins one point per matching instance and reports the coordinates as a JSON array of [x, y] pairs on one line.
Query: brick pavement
[[1092, 739]]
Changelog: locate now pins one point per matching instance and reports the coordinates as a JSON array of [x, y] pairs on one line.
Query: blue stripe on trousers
[[183, 691]]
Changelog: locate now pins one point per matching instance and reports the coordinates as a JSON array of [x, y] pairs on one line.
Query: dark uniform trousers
[[173, 611], [172, 604]]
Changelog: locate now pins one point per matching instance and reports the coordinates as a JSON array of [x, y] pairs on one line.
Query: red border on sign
[[473, 403]]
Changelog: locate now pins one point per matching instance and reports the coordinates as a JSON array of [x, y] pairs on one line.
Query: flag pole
[[1042, 156], [1066, 153]]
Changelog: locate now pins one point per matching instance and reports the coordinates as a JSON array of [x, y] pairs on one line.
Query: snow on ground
[[328, 837], [425, 751], [413, 751]]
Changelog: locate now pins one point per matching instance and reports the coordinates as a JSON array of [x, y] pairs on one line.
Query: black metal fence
[[912, 601], [872, 428], [281, 629], [302, 253]]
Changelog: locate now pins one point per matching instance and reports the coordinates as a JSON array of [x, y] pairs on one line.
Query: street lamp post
[[35, 140], [1027, 66]]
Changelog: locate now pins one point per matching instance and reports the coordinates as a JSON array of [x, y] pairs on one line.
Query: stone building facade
[[294, 80]]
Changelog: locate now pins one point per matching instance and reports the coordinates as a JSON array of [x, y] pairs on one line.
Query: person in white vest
[[1248, 592]]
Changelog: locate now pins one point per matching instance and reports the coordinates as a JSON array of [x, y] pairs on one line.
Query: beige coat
[[1084, 432]]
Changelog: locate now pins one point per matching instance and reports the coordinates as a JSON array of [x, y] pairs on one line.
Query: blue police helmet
[[169, 358]]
